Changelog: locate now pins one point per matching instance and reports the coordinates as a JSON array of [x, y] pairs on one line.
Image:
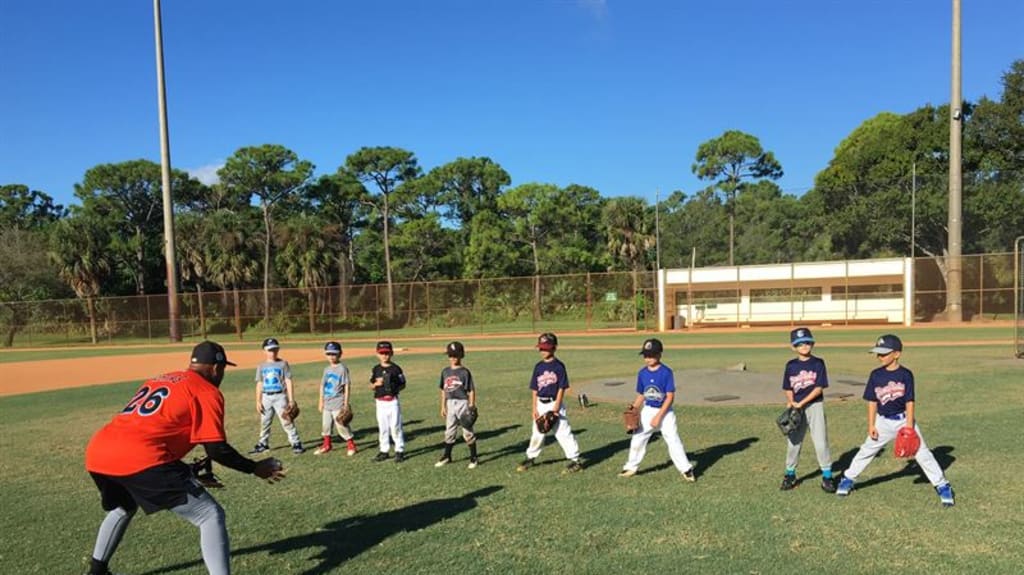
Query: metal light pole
[[954, 282], [913, 209], [165, 164], [657, 230]]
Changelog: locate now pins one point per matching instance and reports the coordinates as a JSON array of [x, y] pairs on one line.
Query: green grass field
[[349, 515]]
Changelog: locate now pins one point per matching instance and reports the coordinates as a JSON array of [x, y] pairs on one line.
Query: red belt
[[386, 398]]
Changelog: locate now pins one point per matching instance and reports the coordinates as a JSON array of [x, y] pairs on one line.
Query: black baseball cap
[[271, 343], [547, 341], [456, 349], [652, 347], [332, 348], [210, 353], [887, 343], [800, 335], [385, 347]]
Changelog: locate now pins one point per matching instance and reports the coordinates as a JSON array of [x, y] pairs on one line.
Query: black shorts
[[162, 487]]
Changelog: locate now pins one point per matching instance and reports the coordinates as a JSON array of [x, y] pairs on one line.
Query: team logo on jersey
[[452, 382], [890, 392], [654, 393], [331, 383], [546, 379], [803, 380]]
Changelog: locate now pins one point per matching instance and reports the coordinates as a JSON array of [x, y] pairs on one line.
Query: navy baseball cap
[[271, 343], [800, 335], [209, 353], [651, 348], [886, 344], [456, 349], [332, 348], [547, 341], [385, 347]]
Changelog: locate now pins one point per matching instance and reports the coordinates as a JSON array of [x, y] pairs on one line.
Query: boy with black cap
[[274, 395], [549, 383], [804, 381], [458, 397], [387, 381], [890, 396], [656, 392]]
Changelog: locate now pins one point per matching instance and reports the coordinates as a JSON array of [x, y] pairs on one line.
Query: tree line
[[380, 218]]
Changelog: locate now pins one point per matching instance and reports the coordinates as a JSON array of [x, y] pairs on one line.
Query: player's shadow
[[606, 451], [942, 453], [838, 465], [704, 459], [480, 436], [341, 540]]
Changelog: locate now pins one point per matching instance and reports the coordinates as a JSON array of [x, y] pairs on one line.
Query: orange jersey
[[165, 419]]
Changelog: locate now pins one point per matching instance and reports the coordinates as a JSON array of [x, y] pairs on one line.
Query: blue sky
[[612, 94]]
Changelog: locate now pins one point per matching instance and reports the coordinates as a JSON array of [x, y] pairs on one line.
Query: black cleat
[[381, 456], [828, 485], [790, 482]]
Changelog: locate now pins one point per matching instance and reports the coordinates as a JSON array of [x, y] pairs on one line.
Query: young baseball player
[[387, 381], [548, 385], [804, 381], [890, 396], [458, 395], [135, 460], [334, 397], [274, 394], [656, 392]]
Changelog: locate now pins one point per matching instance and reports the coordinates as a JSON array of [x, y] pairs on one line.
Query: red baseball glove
[[907, 443]]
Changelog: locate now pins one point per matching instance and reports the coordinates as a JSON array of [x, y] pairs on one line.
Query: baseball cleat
[[322, 450], [298, 449], [399, 456], [845, 487], [945, 492], [472, 463], [828, 485], [351, 445], [788, 482], [573, 467], [690, 477], [627, 473], [443, 461], [526, 464], [381, 456], [259, 448]]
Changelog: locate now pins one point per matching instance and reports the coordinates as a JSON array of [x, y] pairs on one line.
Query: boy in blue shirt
[[804, 381], [656, 392], [890, 397]]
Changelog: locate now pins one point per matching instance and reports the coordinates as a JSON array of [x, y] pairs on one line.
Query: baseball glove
[[202, 470], [907, 443], [546, 422], [344, 416], [290, 413], [470, 416], [631, 419], [790, 420]]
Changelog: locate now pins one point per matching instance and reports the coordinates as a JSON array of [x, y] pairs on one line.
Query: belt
[[545, 399], [386, 398], [272, 392], [896, 416]]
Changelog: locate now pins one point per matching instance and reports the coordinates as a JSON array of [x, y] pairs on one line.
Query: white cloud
[[206, 174]]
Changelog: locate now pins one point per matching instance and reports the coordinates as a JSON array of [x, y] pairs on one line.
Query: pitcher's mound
[[718, 387]]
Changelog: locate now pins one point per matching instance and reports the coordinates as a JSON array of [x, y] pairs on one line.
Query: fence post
[[149, 320], [981, 287]]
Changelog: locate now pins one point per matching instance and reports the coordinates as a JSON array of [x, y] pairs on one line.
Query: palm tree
[[306, 256], [78, 248], [231, 253], [192, 260], [628, 233]]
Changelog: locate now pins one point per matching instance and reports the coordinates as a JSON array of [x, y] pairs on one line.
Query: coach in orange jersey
[[135, 459]]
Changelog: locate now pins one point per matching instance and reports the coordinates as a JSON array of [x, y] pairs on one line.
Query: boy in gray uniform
[[334, 394], [804, 381], [274, 395], [458, 395]]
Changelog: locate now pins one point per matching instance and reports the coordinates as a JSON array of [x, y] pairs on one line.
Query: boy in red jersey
[[135, 460]]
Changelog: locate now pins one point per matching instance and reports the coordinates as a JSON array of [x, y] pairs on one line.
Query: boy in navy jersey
[[804, 381], [656, 391], [548, 385], [890, 397]]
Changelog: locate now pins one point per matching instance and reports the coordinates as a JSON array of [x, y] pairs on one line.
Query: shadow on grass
[[704, 459], [339, 541], [480, 436], [838, 465]]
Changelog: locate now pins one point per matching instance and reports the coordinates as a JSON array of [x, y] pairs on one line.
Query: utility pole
[[657, 230], [954, 281], [165, 165]]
